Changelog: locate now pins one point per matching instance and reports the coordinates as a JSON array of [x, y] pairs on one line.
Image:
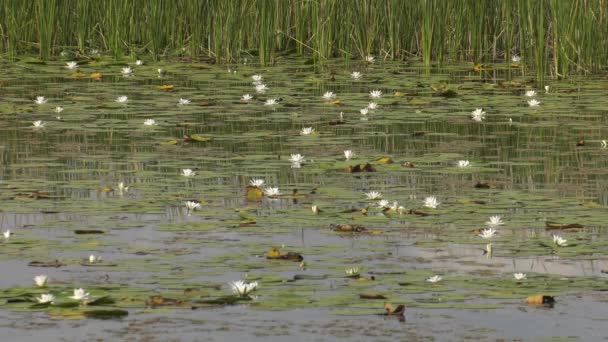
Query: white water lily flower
[[58, 109], [257, 78], [372, 106], [271, 102], [364, 111], [375, 94], [559, 241], [307, 131], [261, 88], [434, 279], [329, 95], [270, 191], [45, 298], [478, 115], [7, 234], [487, 233], [533, 103], [39, 124], [515, 59], [519, 276], [373, 195], [604, 144], [40, 100], [383, 204], [463, 163], [431, 202], [370, 59], [315, 209], [71, 65], [122, 99], [188, 173], [122, 187], [246, 97], [495, 220], [356, 75], [161, 72], [530, 93], [40, 280], [126, 71], [348, 154], [193, 205], [296, 158], [183, 101], [139, 62], [256, 182], [80, 294], [150, 122], [94, 258], [546, 89], [352, 271], [242, 288]]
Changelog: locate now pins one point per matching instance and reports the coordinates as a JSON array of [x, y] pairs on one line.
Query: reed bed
[[553, 37]]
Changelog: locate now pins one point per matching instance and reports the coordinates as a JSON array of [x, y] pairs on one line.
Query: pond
[[94, 196]]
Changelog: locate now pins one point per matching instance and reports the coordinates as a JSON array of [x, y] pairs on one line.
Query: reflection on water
[[535, 164]]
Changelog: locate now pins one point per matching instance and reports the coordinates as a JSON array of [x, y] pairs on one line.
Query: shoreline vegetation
[[553, 37]]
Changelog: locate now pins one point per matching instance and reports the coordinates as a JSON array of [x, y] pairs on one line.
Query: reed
[[554, 37]]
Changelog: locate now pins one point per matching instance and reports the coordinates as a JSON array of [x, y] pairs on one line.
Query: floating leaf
[[77, 74], [226, 300], [96, 75], [572, 226], [372, 296], [394, 311], [154, 301], [359, 168], [384, 160], [166, 87], [335, 102], [105, 300], [106, 313], [347, 228], [170, 142], [55, 263], [88, 231], [253, 193], [105, 189], [540, 299], [196, 137], [275, 254]]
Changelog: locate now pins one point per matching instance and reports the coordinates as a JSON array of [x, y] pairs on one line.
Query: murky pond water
[[165, 269]]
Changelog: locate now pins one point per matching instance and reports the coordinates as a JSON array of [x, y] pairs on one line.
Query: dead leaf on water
[[385, 160], [166, 87], [275, 254], [540, 300], [394, 311]]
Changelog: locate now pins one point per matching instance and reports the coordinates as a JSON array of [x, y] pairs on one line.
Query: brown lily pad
[[154, 301], [571, 226], [253, 193], [372, 296], [88, 231], [275, 254], [540, 300], [385, 160], [394, 311], [360, 168], [347, 228], [55, 263]]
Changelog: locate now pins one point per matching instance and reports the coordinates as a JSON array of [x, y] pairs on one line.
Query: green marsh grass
[[568, 36]]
